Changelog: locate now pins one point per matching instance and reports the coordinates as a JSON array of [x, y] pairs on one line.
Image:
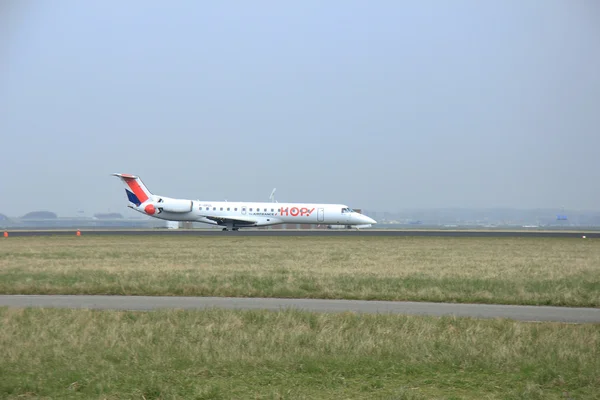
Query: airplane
[[235, 215]]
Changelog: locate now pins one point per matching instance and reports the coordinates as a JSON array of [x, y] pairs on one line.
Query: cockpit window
[[347, 210]]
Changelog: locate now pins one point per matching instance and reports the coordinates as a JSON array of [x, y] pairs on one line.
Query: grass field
[[486, 270], [221, 354]]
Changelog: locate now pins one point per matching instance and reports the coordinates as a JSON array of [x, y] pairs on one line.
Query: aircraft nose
[[367, 220]]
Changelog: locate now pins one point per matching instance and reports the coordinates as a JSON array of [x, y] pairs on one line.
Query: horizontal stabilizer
[[126, 176]]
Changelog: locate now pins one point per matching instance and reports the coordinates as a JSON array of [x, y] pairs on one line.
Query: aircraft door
[[243, 210], [321, 215]]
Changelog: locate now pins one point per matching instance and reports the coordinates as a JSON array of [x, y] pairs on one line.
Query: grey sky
[[382, 105]]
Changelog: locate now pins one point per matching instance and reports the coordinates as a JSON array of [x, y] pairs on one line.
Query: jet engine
[[169, 205]]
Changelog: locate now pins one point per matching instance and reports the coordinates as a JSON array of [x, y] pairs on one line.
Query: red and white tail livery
[[235, 215]]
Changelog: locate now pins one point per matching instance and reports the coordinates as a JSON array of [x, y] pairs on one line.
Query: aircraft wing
[[236, 220]]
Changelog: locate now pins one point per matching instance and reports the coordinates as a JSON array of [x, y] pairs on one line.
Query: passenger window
[[235, 209], [227, 208], [250, 209], [214, 208], [221, 208], [272, 210]]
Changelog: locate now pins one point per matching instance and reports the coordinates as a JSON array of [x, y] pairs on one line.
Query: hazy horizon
[[385, 105], [129, 213]]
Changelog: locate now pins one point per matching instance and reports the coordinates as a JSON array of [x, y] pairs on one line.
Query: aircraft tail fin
[[137, 192]]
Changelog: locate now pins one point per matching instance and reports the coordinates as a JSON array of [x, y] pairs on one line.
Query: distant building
[[172, 225], [40, 215]]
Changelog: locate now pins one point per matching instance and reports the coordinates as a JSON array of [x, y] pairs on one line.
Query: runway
[[146, 303], [310, 232]]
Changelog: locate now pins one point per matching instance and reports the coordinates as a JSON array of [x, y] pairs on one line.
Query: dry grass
[[220, 354], [490, 270]]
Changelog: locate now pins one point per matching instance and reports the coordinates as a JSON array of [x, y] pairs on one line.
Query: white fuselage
[[247, 214]]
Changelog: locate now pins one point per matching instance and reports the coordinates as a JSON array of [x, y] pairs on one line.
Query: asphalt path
[[147, 303], [308, 232]]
